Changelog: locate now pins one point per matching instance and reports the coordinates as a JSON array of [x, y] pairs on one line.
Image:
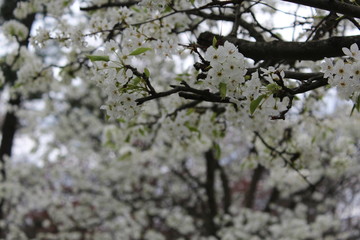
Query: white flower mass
[[179, 120]]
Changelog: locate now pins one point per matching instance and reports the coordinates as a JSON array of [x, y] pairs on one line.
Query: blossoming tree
[[180, 119]]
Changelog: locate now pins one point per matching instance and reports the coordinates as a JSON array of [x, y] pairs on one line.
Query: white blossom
[[15, 29]]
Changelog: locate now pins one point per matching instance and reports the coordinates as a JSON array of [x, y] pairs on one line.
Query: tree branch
[[188, 93], [347, 9], [210, 192], [287, 162], [312, 50], [251, 191], [110, 4], [227, 199], [10, 124]]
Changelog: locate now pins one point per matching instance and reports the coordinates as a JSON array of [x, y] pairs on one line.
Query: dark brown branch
[[250, 27], [251, 191], [111, 4], [312, 50], [140, 101], [264, 29], [211, 162], [294, 75], [185, 106], [274, 196], [210, 181], [227, 199], [236, 23], [287, 162], [188, 93], [216, 17], [151, 89], [189, 183], [207, 98], [8, 132], [310, 81], [309, 86], [313, 81], [10, 123], [188, 174], [347, 9]]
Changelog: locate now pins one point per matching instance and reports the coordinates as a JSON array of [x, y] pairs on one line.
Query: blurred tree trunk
[[10, 122]]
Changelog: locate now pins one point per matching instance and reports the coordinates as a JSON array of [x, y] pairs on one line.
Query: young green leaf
[[95, 58], [136, 80], [136, 9], [192, 129], [255, 103], [147, 72], [273, 87], [167, 9], [214, 42], [139, 51], [222, 89]]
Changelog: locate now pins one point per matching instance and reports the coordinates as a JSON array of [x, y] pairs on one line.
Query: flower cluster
[[116, 81], [227, 76], [164, 48], [32, 76], [227, 69], [345, 75], [178, 128], [15, 29], [54, 7], [41, 36], [272, 105], [161, 163]]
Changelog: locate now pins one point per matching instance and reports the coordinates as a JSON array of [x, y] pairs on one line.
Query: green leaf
[[139, 51], [255, 103], [128, 138], [147, 72], [192, 129], [121, 120], [95, 58], [167, 9], [222, 89], [136, 80], [136, 9], [273, 87], [214, 42], [199, 82]]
